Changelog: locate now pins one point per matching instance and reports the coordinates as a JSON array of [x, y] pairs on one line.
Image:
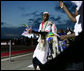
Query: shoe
[[37, 68]]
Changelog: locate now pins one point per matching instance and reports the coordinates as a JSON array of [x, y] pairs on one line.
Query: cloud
[[31, 19], [36, 23], [70, 23], [11, 32], [58, 9], [59, 22], [64, 24], [35, 20], [2, 23], [39, 19], [71, 6], [55, 19], [26, 14], [21, 8], [34, 13], [30, 14]]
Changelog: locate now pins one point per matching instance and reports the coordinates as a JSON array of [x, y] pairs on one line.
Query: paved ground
[[24, 62], [21, 62]]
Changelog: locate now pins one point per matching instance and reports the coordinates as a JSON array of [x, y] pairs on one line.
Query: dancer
[[41, 51]]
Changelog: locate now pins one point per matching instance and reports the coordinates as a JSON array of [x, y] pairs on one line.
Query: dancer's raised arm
[[70, 15]]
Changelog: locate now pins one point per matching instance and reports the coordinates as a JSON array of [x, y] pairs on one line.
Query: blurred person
[[61, 43], [68, 32]]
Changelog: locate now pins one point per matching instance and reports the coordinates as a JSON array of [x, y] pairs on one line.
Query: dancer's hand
[[42, 41], [63, 37], [29, 31], [61, 4]]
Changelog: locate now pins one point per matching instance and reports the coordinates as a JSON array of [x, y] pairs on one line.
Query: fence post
[[10, 51]]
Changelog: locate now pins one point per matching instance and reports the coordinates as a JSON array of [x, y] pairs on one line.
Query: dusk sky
[[16, 13]]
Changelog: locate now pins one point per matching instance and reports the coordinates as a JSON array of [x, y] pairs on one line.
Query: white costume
[[41, 50], [77, 27]]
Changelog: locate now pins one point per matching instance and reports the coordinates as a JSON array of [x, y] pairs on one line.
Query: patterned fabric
[[42, 47], [25, 33]]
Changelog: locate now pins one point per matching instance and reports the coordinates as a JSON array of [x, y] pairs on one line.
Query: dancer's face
[[45, 17]]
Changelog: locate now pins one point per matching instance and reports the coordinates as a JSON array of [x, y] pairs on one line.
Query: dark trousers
[[71, 58], [36, 62]]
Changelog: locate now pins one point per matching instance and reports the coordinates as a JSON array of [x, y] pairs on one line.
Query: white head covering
[[46, 13]]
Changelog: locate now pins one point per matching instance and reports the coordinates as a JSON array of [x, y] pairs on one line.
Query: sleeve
[[39, 35], [39, 28], [54, 29], [48, 26]]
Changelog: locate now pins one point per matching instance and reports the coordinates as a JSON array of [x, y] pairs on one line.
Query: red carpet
[[16, 52]]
